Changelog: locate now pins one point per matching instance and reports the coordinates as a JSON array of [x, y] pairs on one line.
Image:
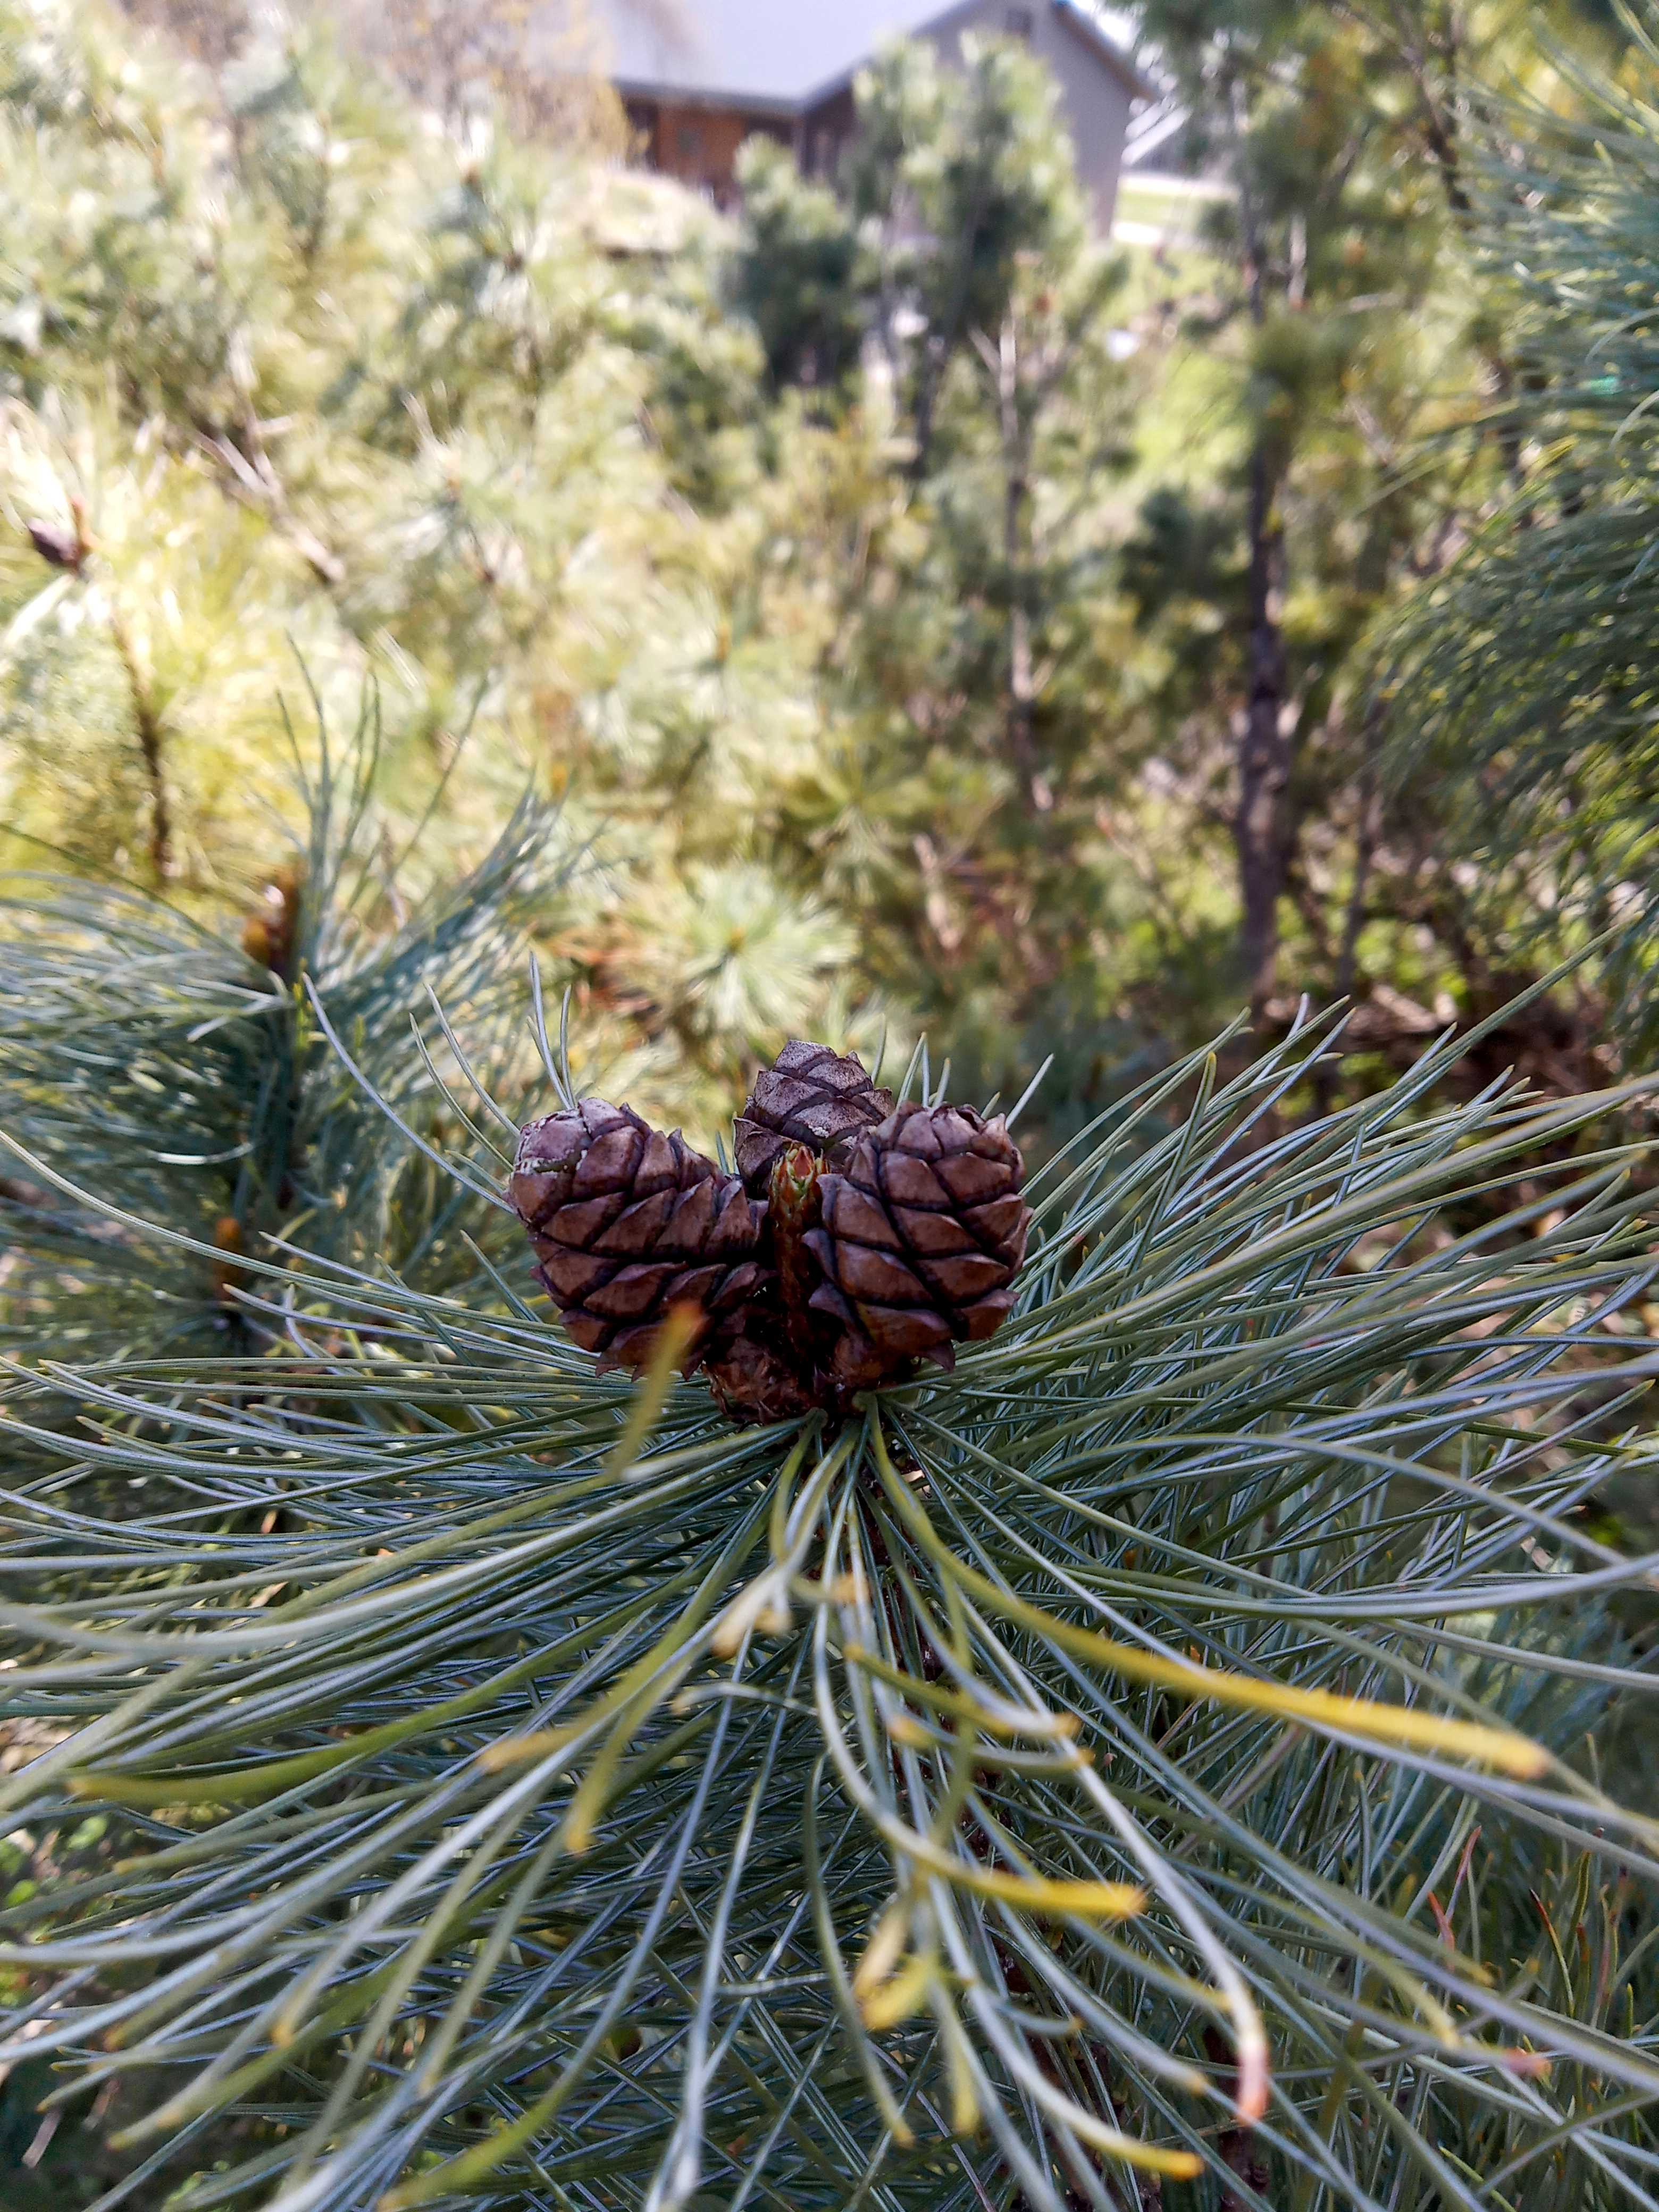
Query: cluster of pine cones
[[853, 1240]]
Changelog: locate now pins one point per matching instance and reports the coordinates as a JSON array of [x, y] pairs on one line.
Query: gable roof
[[1079, 18], [782, 56]]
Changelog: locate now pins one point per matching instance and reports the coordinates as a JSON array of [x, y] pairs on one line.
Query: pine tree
[[942, 325], [288, 367], [792, 554], [1521, 676], [1347, 334], [1173, 1753]]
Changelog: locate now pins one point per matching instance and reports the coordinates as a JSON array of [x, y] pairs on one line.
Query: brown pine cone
[[62, 548], [625, 1223], [808, 1096], [921, 1239], [269, 932]]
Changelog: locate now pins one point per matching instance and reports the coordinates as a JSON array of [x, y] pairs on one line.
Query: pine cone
[[921, 1239], [229, 1241], [626, 1223], [808, 1096], [62, 548], [269, 932]]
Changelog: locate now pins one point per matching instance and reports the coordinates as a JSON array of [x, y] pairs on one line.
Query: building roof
[[1085, 20], [784, 56]]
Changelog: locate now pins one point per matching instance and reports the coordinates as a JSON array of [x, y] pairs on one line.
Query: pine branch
[[519, 1782]]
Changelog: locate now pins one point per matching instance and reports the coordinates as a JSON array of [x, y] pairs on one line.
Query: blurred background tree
[[943, 330], [1352, 329], [940, 619], [1520, 680], [542, 66], [303, 388]]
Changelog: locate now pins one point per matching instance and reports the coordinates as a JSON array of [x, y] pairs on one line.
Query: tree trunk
[[942, 343], [1260, 827], [148, 724], [1020, 720], [1440, 55], [1364, 853], [1022, 709]]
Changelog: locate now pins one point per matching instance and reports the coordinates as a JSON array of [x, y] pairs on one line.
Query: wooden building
[[699, 76]]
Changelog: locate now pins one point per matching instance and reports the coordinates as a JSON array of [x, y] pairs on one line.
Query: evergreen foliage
[[1523, 680], [1343, 333], [1178, 1757], [288, 367], [285, 361], [1155, 1749], [949, 326], [1348, 350], [177, 1076], [800, 551]]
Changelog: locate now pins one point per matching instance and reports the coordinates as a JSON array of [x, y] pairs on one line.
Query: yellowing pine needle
[[1504, 1749], [904, 1993], [1150, 2158], [1087, 1900], [673, 1340]]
